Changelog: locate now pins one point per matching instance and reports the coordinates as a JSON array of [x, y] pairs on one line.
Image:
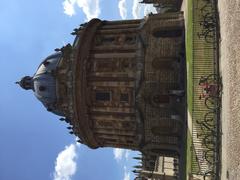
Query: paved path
[[230, 69], [184, 9]]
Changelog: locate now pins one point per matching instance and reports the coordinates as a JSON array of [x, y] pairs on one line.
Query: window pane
[[168, 33], [102, 96]]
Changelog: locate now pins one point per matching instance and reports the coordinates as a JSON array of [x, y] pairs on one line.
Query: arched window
[[160, 130], [163, 63], [161, 98]]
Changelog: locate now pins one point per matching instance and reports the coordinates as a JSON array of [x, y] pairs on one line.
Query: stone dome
[[43, 83]]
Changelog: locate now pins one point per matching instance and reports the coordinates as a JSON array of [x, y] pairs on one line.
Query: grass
[[189, 57], [189, 54], [201, 58], [189, 152]]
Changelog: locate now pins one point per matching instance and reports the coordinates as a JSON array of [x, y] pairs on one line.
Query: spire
[[26, 83], [137, 158], [137, 167], [147, 2]]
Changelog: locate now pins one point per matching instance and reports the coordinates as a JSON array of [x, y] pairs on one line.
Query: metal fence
[[206, 96]]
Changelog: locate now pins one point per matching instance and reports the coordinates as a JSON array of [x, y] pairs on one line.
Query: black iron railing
[[206, 97]]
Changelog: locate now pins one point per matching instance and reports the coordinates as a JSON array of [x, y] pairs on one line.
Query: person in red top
[[208, 89]]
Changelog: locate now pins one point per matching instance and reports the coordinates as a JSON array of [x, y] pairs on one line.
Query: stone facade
[[121, 84], [163, 168]]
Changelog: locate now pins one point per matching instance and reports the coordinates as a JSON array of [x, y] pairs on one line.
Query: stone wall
[[120, 83]]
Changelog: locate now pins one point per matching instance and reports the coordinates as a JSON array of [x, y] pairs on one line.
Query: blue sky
[[34, 143]]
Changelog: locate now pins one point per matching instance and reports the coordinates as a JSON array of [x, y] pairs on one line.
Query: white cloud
[[149, 9], [136, 9], [139, 9], [118, 153], [127, 154], [90, 8], [65, 165], [68, 6], [122, 8], [126, 174]]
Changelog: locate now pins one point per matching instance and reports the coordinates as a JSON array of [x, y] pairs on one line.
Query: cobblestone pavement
[[230, 69]]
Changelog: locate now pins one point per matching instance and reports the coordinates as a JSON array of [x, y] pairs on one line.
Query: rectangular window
[[103, 96], [168, 33], [129, 142], [124, 97]]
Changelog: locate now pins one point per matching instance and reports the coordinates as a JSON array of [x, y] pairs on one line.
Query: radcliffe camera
[[140, 90]]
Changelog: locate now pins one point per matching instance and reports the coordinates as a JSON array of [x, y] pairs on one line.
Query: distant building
[[165, 168], [120, 84]]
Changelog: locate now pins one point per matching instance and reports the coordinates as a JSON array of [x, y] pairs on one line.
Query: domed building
[[120, 84], [43, 83]]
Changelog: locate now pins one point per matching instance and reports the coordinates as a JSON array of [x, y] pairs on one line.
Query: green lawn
[[189, 152], [199, 55], [189, 54], [189, 57]]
